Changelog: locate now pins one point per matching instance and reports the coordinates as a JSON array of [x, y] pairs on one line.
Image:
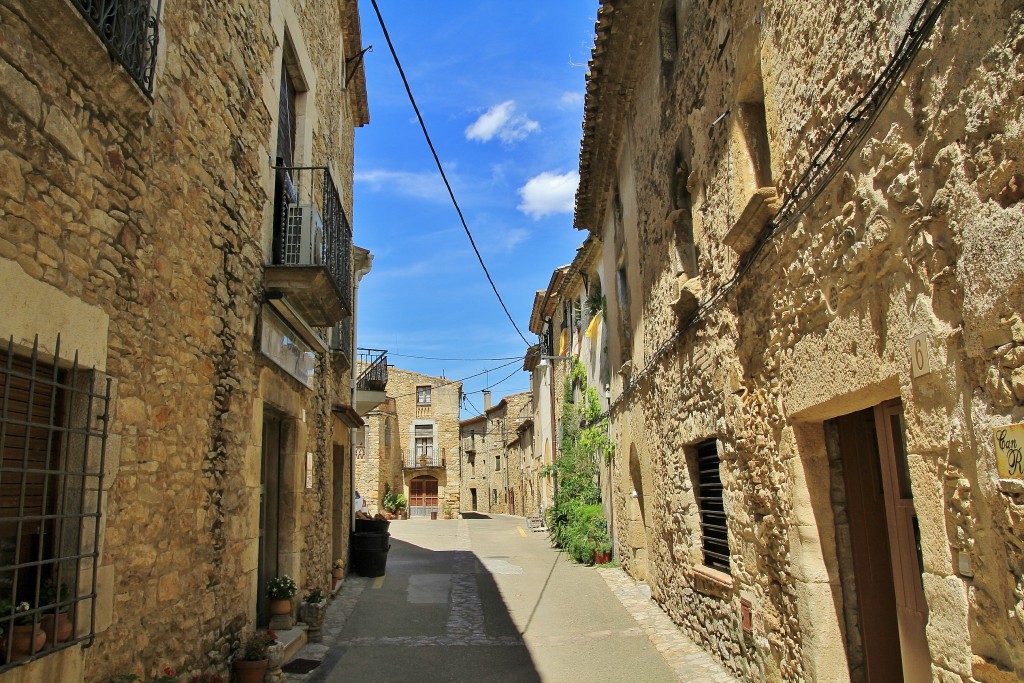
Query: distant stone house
[[175, 368], [490, 482], [811, 232], [412, 445]]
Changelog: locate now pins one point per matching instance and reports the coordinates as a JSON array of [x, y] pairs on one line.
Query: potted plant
[[57, 627], [602, 552], [250, 666], [24, 637], [313, 610], [338, 572], [281, 590], [447, 510]]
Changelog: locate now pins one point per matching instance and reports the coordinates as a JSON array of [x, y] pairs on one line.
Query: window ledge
[[85, 54], [711, 581], [687, 296], [742, 236]]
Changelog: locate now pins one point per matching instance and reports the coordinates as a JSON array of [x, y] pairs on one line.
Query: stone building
[[811, 232], [176, 253], [493, 470], [412, 444]]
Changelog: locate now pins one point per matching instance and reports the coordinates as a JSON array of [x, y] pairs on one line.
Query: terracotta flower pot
[[25, 640], [280, 606], [247, 671], [338, 574], [57, 630]]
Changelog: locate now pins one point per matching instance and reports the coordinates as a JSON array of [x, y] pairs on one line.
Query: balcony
[[372, 381], [341, 343], [413, 460], [129, 30], [309, 279]]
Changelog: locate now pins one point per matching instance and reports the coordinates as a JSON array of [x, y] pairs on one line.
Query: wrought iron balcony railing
[[312, 250], [373, 364], [130, 30], [415, 459]]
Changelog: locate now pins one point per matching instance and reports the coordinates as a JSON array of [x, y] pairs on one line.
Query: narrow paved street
[[487, 600]]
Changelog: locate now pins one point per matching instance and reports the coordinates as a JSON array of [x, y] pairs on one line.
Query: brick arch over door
[[423, 499]]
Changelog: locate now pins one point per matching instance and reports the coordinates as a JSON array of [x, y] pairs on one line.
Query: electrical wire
[[828, 160], [440, 169], [505, 379], [406, 355], [463, 379]]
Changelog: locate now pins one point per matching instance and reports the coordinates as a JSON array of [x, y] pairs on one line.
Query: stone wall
[[490, 474], [156, 214], [443, 413], [919, 233]]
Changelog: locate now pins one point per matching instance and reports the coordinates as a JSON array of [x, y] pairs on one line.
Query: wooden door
[[904, 543], [872, 562], [269, 513]]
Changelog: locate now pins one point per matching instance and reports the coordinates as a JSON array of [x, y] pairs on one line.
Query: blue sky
[[500, 86]]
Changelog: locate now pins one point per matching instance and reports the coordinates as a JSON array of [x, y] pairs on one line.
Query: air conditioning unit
[[304, 236]]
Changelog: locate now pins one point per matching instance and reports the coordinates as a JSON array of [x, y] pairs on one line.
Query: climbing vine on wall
[[576, 520]]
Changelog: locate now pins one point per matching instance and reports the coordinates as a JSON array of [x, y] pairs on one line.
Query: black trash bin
[[370, 552], [377, 526]]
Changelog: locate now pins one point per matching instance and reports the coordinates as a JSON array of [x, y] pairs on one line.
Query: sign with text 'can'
[[1009, 443]]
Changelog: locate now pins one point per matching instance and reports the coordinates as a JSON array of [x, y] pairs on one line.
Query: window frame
[[423, 397], [709, 491], [71, 419]]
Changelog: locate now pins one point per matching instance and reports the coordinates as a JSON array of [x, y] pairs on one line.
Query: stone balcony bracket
[[763, 204]]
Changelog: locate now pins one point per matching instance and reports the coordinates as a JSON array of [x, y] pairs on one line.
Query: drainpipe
[[358, 275]]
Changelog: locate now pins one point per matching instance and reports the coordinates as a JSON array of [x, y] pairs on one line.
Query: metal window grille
[[713, 530], [130, 31], [53, 433]]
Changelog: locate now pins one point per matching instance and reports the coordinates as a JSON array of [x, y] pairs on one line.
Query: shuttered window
[[52, 445], [713, 529]]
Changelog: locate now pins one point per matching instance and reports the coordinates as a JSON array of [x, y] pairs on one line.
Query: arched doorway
[[423, 496]]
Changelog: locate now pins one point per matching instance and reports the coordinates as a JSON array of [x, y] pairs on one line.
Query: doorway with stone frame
[[880, 560], [270, 505]]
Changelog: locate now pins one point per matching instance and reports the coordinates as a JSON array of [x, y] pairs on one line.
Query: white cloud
[[427, 185], [501, 120], [549, 193], [570, 100]]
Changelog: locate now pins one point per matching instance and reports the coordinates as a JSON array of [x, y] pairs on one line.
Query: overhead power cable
[[406, 355], [463, 379], [440, 168], [831, 157]]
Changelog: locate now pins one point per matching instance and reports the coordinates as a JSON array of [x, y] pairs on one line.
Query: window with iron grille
[[422, 396], [130, 31], [53, 429], [713, 529]]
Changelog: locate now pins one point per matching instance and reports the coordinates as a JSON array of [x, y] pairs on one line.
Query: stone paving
[[465, 625], [688, 659]]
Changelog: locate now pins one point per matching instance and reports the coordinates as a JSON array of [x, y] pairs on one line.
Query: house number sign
[[1009, 443], [919, 362]]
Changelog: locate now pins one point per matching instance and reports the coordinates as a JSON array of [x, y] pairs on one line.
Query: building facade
[[412, 444], [175, 193], [492, 467], [810, 229]]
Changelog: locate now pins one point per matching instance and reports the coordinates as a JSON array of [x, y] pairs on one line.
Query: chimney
[[487, 400]]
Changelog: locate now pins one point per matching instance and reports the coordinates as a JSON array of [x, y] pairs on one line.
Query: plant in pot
[[313, 611], [22, 635], [338, 571], [393, 503], [250, 666], [447, 510], [281, 590], [56, 625]]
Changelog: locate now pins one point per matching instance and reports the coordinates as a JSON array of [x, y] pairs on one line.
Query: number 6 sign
[[919, 361]]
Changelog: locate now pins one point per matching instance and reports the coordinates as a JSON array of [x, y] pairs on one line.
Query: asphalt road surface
[[480, 600]]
